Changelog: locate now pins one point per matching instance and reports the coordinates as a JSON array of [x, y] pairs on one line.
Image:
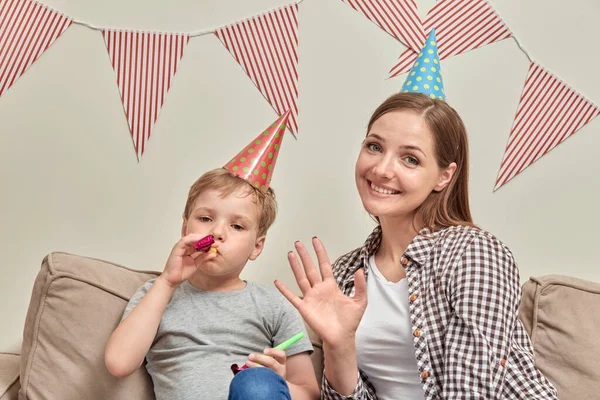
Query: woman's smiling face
[[397, 166]]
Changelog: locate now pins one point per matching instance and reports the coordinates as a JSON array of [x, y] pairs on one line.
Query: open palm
[[330, 313]]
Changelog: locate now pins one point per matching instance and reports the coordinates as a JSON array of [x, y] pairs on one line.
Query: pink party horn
[[235, 368], [204, 244]]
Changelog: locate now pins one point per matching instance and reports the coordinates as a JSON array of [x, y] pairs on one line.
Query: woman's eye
[[412, 160], [374, 147]]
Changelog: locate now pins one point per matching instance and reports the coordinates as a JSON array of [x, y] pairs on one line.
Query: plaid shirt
[[464, 295]]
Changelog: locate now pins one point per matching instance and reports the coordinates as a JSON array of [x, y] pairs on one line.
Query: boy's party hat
[[256, 162]]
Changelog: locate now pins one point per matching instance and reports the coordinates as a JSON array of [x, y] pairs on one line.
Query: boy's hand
[[271, 358], [183, 260]]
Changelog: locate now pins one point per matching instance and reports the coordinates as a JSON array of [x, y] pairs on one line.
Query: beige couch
[[77, 302]]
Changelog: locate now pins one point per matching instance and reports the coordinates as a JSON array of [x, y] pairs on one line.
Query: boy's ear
[[184, 227], [258, 248]]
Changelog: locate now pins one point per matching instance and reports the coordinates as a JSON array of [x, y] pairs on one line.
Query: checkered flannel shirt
[[464, 295]]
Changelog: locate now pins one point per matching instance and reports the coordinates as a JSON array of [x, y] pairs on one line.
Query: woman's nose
[[384, 168]]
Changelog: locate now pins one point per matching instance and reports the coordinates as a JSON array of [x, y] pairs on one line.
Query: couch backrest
[[562, 316], [75, 305], [77, 302]]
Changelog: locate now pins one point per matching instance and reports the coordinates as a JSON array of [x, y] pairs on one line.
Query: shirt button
[[424, 375], [503, 362], [404, 261], [417, 333], [413, 298]]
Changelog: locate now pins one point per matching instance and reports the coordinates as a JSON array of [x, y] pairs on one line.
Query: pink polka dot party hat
[[256, 162]]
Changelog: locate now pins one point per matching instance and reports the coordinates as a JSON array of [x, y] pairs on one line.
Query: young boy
[[198, 317]]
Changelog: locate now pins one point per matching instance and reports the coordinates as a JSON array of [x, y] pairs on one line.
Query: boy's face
[[233, 221]]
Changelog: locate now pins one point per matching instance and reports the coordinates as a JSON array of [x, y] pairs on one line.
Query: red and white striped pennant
[[145, 64], [460, 26], [549, 112], [27, 29], [266, 47], [398, 18]]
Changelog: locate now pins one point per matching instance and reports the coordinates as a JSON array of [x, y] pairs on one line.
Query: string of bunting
[[266, 48], [145, 63], [549, 111]]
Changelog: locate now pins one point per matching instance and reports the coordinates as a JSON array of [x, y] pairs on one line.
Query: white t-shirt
[[384, 340]]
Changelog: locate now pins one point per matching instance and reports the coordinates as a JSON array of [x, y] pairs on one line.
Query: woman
[[441, 321]]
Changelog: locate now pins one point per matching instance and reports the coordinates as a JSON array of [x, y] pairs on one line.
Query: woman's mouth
[[382, 190]]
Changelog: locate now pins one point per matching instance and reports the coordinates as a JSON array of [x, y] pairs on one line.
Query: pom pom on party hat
[[424, 76], [256, 162]]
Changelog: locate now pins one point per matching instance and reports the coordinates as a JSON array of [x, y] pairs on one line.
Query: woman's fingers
[[309, 267], [299, 273], [288, 294], [322, 259]]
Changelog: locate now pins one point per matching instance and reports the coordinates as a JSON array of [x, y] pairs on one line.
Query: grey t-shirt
[[202, 333]]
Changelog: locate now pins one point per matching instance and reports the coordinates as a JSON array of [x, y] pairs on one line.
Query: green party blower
[[289, 342], [281, 346]]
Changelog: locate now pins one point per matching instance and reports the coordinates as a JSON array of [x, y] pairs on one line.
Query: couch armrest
[[9, 376], [562, 316]]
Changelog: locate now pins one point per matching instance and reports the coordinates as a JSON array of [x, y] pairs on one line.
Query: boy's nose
[[218, 234]]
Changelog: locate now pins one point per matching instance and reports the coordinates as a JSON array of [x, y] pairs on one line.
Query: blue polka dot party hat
[[424, 76], [256, 162]]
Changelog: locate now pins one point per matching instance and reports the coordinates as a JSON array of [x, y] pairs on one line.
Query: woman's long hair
[[449, 206]]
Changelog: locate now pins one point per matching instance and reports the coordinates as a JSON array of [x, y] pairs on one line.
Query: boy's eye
[[204, 219], [373, 147], [237, 227]]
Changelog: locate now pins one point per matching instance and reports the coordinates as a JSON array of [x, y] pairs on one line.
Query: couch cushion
[[562, 316], [76, 304], [9, 376]]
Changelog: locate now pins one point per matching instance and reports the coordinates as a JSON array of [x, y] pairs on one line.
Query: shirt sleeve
[[484, 295], [137, 297], [289, 324], [363, 390]]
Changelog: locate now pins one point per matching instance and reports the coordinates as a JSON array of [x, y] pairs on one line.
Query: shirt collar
[[418, 250]]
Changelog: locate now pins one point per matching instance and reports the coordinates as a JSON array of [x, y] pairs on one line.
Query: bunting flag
[[549, 112], [266, 47], [145, 64], [27, 29], [460, 26], [398, 18]]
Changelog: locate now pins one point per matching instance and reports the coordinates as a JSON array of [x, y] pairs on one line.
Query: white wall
[[71, 182]]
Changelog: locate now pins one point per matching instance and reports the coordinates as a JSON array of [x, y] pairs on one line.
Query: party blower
[[204, 245], [282, 346]]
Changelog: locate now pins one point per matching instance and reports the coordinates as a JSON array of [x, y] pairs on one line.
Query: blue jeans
[[258, 384]]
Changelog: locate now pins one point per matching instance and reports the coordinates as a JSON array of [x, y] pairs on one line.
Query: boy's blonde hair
[[226, 183]]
